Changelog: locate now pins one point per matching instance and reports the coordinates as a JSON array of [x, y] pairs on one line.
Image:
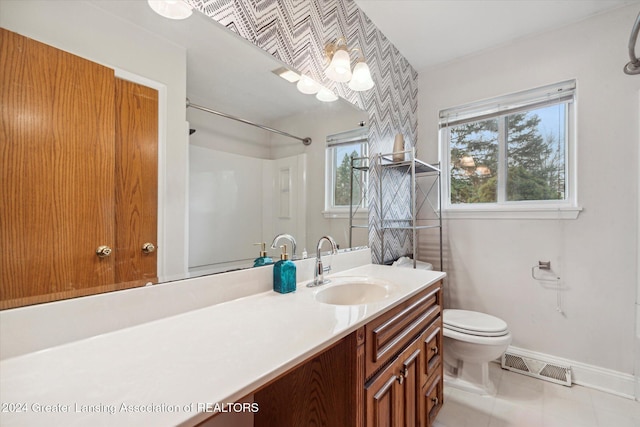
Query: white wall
[[637, 350], [489, 261], [89, 32]]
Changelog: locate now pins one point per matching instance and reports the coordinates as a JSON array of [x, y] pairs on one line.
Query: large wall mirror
[[224, 185]]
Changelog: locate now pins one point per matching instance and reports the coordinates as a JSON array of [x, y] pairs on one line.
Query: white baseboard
[[603, 379]]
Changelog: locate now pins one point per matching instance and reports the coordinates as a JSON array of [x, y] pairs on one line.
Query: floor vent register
[[537, 368]]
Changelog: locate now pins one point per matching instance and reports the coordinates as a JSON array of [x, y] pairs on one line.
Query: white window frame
[[359, 135], [563, 92]]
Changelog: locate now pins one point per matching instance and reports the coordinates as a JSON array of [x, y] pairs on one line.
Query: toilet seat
[[474, 323]]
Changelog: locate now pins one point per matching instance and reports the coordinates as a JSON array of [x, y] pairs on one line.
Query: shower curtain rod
[[305, 141], [633, 67]]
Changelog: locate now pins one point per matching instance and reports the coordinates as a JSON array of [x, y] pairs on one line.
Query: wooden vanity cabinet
[[403, 363], [387, 373]]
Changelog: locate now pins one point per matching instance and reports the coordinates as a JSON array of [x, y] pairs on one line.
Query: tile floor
[[522, 401]]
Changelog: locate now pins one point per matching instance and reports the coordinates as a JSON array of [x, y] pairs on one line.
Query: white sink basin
[[354, 291]]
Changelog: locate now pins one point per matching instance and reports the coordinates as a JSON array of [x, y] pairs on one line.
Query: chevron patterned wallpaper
[[296, 31]]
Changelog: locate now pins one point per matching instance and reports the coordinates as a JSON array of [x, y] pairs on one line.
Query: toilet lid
[[474, 323]]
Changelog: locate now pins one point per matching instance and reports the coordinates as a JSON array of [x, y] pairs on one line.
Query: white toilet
[[471, 341]]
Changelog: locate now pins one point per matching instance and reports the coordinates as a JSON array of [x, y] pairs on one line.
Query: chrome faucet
[[289, 237], [320, 269]]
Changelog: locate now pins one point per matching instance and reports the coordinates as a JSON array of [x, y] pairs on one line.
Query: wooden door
[[136, 183], [323, 391], [56, 173], [412, 405], [394, 397], [383, 396]]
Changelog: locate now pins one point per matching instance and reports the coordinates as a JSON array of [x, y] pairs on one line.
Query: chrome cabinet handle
[[435, 401], [400, 379], [103, 251], [148, 248], [435, 349]]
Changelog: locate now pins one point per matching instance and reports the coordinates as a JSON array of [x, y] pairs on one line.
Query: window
[[512, 153], [341, 148]]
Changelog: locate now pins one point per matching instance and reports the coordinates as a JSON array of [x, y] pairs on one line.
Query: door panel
[[56, 172], [382, 408], [136, 182], [412, 402], [384, 395], [78, 170]]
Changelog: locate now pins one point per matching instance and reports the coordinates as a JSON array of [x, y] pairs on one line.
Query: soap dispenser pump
[[284, 273], [263, 259]]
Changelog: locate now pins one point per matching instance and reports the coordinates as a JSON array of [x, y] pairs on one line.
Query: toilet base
[[461, 384], [471, 377]]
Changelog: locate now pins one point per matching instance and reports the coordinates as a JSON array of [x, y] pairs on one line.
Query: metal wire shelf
[[422, 193]]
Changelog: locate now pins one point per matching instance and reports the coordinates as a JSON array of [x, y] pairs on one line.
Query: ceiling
[[431, 32]]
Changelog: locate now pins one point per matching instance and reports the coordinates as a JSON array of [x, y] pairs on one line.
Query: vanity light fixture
[[483, 171], [325, 95], [307, 85], [467, 162], [361, 79], [172, 9], [339, 69]]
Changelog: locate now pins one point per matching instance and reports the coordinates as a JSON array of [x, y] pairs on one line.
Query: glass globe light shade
[[307, 85], [339, 69], [325, 95], [172, 9], [361, 79]]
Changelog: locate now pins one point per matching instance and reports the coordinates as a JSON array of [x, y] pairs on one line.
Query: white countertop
[[164, 369]]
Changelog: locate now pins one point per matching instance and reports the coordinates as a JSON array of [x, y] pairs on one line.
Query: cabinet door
[[56, 172], [412, 402], [383, 396], [78, 171], [136, 183], [394, 396]]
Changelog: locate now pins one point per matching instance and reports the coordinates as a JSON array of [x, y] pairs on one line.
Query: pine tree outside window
[[341, 148], [512, 154]]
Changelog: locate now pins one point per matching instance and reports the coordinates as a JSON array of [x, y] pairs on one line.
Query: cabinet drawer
[[389, 333], [432, 393], [433, 346]]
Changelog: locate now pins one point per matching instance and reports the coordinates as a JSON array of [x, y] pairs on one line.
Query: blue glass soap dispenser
[[263, 259], [284, 273]]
